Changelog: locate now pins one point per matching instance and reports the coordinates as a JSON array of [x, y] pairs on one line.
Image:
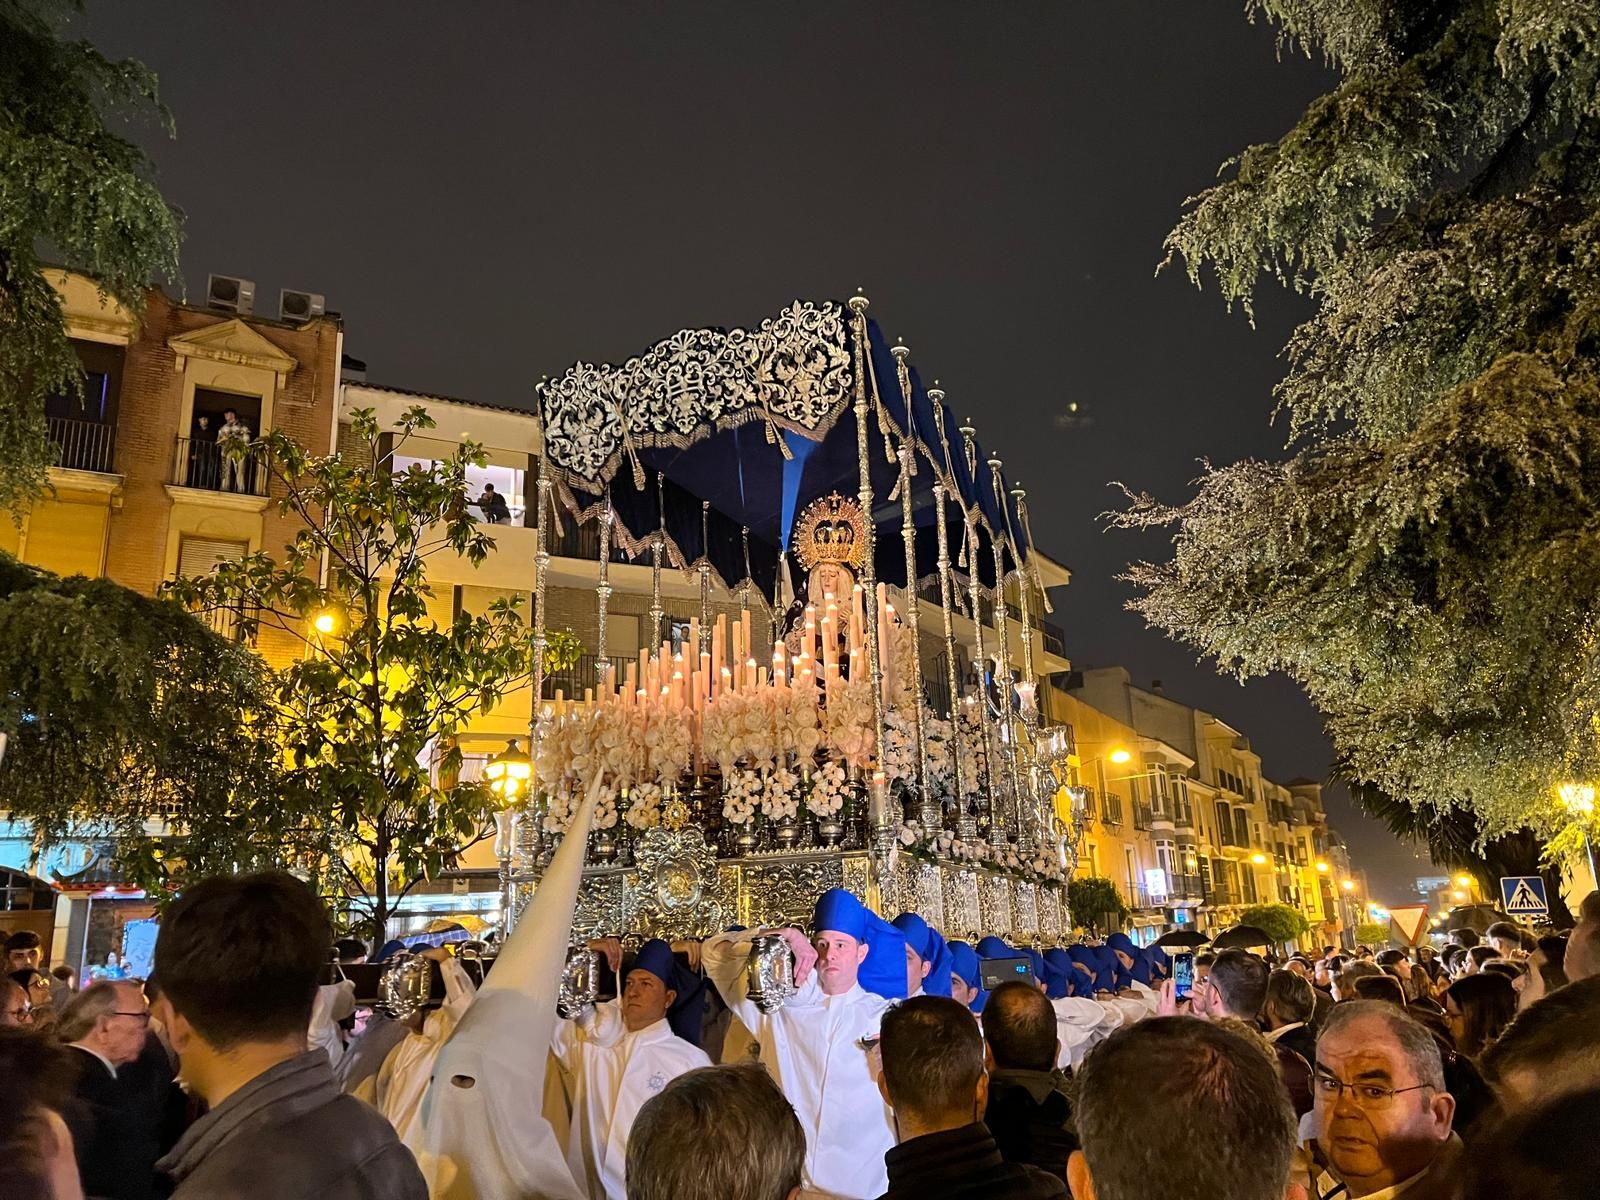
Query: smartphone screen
[[1182, 975]]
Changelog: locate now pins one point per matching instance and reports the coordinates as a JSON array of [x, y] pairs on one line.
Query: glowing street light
[[1579, 801], [1463, 881], [1322, 867], [1349, 885], [508, 773], [325, 622], [1121, 756], [1258, 859]]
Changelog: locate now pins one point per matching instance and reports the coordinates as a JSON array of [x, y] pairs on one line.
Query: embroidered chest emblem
[[657, 1081]]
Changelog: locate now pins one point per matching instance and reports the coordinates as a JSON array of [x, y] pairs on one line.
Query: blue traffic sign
[[1523, 896]]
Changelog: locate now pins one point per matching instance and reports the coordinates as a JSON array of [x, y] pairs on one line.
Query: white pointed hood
[[481, 1135]]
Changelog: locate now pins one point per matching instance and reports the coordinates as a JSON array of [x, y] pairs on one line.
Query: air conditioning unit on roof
[[231, 294], [294, 305]]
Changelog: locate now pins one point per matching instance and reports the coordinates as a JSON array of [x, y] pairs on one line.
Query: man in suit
[[105, 1028]]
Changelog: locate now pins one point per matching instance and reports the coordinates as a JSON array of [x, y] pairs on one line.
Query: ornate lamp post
[[508, 775]]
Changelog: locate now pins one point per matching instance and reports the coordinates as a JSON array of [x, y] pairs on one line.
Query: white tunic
[[1081, 1025], [610, 1073], [812, 1047]]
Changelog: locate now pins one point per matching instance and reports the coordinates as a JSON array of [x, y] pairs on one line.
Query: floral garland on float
[[944, 846]]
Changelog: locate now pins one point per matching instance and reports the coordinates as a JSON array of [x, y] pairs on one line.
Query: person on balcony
[[233, 439]]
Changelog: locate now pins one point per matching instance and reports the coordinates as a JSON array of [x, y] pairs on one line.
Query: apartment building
[[140, 492], [1212, 826]]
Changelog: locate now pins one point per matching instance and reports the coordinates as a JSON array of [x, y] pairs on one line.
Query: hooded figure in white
[[397, 1089], [480, 1134]]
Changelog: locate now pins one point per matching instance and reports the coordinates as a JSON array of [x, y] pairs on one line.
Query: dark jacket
[[289, 1134], [1030, 1118], [963, 1164], [114, 1145]]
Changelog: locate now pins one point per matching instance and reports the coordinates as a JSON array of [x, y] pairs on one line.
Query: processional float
[[752, 759]]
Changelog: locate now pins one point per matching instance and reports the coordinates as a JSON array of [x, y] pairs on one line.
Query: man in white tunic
[[619, 1054], [817, 1046]]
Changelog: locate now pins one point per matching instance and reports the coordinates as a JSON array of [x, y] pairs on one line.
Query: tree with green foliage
[[121, 710], [1095, 904], [1280, 922], [1426, 563], [70, 182], [367, 714], [1372, 933], [1456, 841]]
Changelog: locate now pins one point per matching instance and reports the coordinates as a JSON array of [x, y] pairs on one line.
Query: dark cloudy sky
[[488, 191]]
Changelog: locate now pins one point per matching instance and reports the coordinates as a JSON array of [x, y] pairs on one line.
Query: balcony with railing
[[1142, 817], [207, 466], [82, 445], [1111, 809], [1187, 887], [1219, 894], [585, 673], [1140, 896]]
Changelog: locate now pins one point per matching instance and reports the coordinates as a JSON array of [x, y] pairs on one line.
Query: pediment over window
[[233, 342]]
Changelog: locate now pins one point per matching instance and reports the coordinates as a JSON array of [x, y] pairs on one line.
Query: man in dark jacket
[[1029, 1113], [933, 1078], [239, 959], [112, 1134]]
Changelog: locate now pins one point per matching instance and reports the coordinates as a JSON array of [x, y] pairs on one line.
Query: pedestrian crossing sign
[[1523, 896]]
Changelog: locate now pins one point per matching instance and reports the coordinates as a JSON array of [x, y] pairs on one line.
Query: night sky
[[487, 200]]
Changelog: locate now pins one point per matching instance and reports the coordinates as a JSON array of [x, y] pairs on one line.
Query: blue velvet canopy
[[718, 439]]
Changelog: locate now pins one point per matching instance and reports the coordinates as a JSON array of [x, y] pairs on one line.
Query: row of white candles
[[687, 681]]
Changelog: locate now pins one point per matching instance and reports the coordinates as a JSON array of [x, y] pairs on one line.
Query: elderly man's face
[[1385, 1124]]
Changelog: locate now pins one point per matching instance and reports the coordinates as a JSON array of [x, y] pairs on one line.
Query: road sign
[[1410, 921], [1523, 896]]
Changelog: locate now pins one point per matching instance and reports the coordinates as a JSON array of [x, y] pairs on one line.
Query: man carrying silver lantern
[[818, 1042], [615, 1055]]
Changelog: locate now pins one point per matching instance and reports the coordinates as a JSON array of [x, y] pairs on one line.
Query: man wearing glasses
[[15, 1010], [105, 1024], [1382, 1115]]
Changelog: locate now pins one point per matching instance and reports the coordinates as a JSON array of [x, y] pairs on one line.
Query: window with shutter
[[198, 556]]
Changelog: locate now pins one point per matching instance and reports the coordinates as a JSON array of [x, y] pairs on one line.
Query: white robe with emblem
[[610, 1073], [812, 1047]]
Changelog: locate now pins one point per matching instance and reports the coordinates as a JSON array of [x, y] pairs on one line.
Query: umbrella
[[1182, 939], [1241, 937]]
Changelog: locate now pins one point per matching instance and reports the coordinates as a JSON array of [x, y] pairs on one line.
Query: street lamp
[[1579, 801], [1322, 867], [1120, 756], [508, 773], [1258, 858]]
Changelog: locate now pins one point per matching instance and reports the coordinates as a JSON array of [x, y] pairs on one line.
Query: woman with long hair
[[1478, 1008], [36, 1159]]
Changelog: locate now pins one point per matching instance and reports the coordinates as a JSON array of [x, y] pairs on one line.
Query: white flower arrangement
[[742, 791], [644, 805], [605, 808], [849, 720], [562, 807], [830, 787], [780, 794]]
